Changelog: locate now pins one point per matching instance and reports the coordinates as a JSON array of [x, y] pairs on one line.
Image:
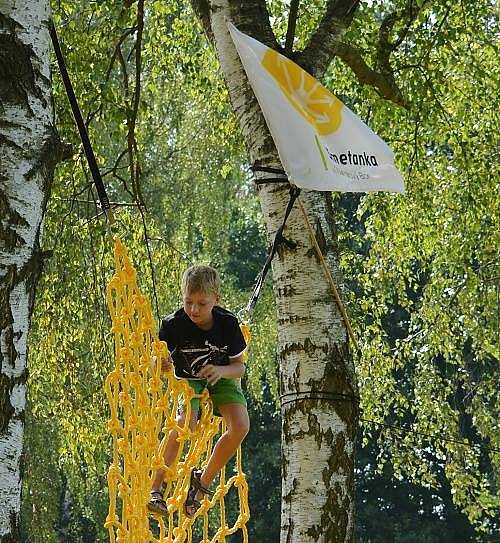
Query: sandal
[[194, 487], [157, 504]]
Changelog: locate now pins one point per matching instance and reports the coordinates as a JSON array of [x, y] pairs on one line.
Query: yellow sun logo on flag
[[306, 94]]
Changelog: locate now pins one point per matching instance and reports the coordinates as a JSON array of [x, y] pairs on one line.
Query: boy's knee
[[240, 430]]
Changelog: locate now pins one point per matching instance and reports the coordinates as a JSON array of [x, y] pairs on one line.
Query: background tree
[[29, 151]]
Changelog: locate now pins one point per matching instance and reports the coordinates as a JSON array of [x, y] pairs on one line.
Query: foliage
[[424, 300], [421, 267], [393, 510], [262, 461]]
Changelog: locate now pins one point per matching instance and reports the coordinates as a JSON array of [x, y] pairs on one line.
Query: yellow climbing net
[[144, 404]]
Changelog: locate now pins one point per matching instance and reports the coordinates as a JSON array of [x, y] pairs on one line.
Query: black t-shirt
[[191, 348]]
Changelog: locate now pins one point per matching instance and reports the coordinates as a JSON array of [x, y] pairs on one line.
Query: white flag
[[322, 144]]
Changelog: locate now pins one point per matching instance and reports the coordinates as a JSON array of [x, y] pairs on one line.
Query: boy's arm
[[236, 366], [234, 370]]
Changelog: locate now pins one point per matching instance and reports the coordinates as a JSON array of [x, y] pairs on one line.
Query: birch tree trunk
[[318, 435], [29, 151]]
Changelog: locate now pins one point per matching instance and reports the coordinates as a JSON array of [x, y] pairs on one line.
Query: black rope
[[267, 169], [89, 153], [266, 180], [278, 238], [323, 395]]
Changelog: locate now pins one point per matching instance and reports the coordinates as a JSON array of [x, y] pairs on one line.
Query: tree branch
[[253, 18], [132, 141], [119, 43], [292, 23], [326, 43], [318, 54], [384, 83], [385, 47]]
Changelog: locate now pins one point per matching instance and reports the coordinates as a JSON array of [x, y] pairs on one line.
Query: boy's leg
[[237, 422], [172, 447]]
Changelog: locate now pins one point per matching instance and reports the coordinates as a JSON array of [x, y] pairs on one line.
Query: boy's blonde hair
[[204, 279]]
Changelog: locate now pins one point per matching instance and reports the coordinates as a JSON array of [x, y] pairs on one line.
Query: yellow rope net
[[144, 404]]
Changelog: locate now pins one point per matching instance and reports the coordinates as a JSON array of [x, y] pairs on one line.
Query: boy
[[206, 347]]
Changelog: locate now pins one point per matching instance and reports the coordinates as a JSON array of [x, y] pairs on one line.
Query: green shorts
[[223, 392]]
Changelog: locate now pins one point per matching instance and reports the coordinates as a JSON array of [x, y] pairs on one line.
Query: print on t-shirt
[[190, 359]]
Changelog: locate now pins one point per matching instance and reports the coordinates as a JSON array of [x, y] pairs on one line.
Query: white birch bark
[[28, 153], [318, 436]]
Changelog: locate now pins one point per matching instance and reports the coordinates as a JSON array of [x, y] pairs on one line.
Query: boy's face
[[198, 307]]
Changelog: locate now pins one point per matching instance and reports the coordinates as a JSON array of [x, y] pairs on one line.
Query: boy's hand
[[166, 363], [211, 373]]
